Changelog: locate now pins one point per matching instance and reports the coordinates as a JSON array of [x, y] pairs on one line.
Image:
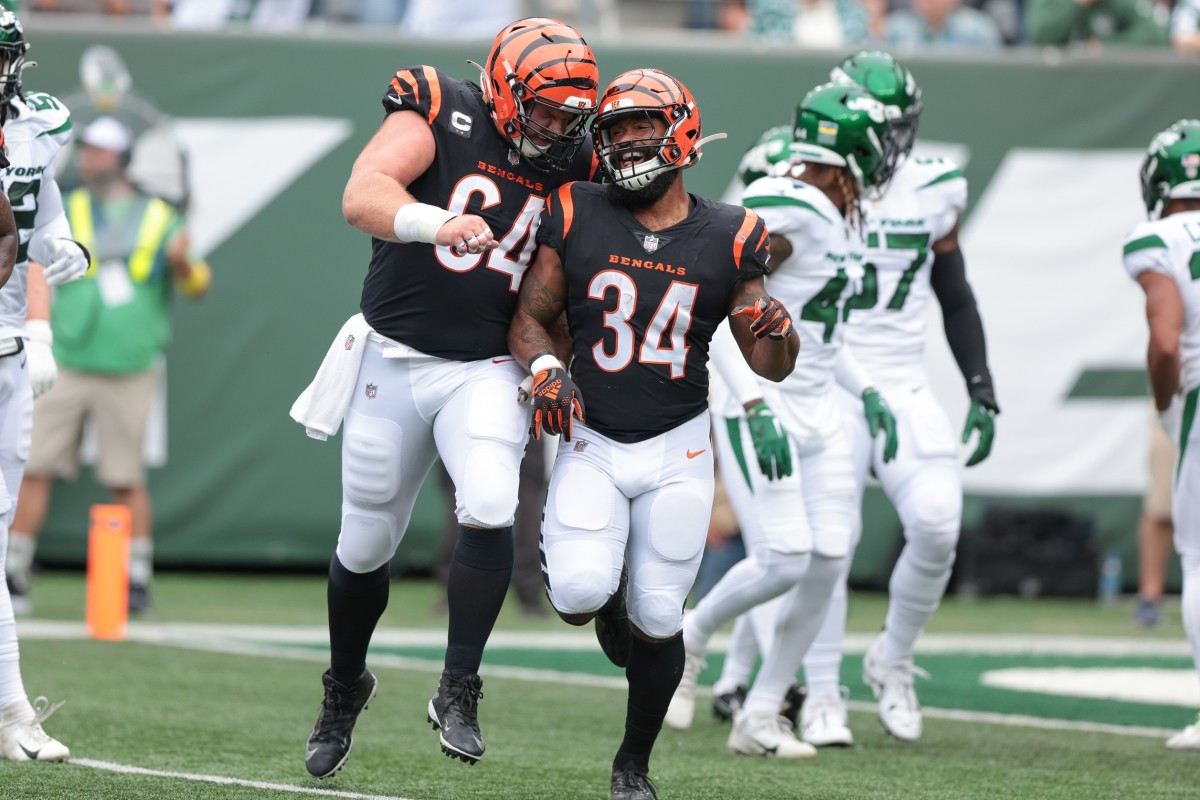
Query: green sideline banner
[[273, 124]]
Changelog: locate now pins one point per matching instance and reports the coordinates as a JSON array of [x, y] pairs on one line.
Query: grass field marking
[[856, 644], [125, 769], [1022, 721]]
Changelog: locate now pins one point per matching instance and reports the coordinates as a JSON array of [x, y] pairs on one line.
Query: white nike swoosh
[[309, 754]]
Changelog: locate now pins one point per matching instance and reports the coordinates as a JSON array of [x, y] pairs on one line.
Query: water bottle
[[1109, 588]]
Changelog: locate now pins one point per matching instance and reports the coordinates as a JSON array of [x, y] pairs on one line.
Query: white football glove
[[1171, 419], [43, 369], [68, 261]]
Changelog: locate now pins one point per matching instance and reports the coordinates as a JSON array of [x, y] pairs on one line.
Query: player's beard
[[648, 195]]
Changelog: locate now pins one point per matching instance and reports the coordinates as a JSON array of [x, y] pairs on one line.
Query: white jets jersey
[[1171, 246], [813, 283], [887, 318], [37, 127]]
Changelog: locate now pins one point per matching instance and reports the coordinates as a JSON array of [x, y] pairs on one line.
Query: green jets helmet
[[771, 148], [12, 50], [844, 125], [1171, 170], [890, 84]]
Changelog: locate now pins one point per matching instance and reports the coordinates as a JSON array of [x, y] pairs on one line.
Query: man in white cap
[[110, 331]]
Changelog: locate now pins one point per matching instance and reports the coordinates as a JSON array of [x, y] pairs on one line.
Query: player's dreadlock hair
[[853, 196]]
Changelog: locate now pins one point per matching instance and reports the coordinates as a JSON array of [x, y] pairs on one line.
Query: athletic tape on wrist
[[420, 222], [545, 361]]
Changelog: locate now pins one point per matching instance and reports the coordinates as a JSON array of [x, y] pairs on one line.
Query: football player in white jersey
[[798, 526], [35, 126], [912, 247], [1163, 256]]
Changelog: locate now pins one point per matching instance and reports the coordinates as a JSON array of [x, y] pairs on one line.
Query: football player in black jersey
[[645, 272], [450, 188]]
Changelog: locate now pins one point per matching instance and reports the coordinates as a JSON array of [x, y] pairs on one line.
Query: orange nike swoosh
[[690, 454]]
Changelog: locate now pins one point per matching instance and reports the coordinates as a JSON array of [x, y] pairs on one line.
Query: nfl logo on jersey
[[350, 341], [650, 243], [370, 391]]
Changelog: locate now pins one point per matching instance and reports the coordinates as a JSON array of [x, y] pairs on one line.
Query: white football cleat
[[21, 734], [824, 721], [682, 709], [1186, 739], [892, 683], [757, 733]]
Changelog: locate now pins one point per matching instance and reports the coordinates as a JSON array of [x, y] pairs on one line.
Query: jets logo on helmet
[[654, 95], [843, 125], [889, 83], [12, 50], [1171, 169], [541, 62]]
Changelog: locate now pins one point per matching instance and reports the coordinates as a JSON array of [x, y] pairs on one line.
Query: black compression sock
[[475, 589], [653, 673], [356, 601]]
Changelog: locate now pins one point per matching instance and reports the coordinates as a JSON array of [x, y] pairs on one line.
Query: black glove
[[556, 402]]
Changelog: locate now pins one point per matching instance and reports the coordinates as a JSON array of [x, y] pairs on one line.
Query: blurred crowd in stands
[[892, 24]]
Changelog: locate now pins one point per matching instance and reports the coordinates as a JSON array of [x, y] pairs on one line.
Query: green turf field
[[222, 684]]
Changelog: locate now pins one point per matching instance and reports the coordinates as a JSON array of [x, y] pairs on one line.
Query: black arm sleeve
[[964, 328]]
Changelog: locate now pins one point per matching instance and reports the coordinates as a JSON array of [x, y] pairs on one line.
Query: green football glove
[[770, 442], [879, 417], [983, 419]]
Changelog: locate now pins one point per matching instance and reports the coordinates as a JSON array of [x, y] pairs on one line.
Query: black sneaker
[[792, 701], [726, 705], [631, 783], [454, 712], [329, 744], [612, 625], [139, 599]]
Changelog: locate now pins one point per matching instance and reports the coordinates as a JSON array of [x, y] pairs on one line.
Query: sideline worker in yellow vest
[[109, 331]]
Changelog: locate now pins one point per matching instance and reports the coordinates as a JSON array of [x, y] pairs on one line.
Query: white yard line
[[1015, 644], [125, 769]]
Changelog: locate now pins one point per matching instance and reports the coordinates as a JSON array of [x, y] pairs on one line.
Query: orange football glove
[[768, 318]]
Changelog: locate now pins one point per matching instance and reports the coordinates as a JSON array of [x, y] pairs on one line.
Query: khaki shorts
[[118, 405], [1163, 453]]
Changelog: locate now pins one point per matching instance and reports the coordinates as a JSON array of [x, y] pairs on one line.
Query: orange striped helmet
[[653, 94], [541, 62]]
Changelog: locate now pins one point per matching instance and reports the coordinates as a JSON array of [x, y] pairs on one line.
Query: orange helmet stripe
[[739, 241]]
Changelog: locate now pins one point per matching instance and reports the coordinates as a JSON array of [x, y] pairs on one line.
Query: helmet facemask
[[635, 163], [559, 147]]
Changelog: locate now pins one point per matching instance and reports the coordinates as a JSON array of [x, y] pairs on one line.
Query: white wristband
[[544, 361], [39, 331], [420, 222]]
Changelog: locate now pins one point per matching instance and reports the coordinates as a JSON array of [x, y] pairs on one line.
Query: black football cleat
[[631, 783], [612, 625], [454, 712], [330, 741], [724, 706], [793, 700]]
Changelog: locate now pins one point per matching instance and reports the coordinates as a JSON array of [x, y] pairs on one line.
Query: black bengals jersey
[[409, 286], [642, 305]]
